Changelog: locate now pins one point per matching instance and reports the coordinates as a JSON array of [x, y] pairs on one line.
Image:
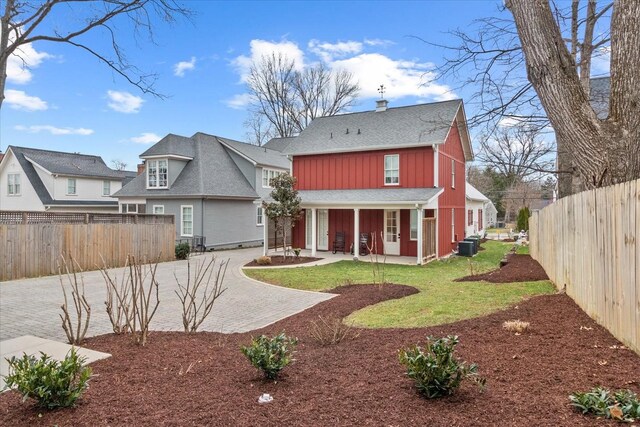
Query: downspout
[[202, 206]]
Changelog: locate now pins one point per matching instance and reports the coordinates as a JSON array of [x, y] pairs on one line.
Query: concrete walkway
[[32, 306]]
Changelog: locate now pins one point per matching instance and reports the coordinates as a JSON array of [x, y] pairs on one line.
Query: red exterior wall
[[451, 198], [342, 171]]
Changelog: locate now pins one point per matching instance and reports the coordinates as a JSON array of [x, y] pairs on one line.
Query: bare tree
[[259, 129], [75, 333], [605, 151], [118, 165], [23, 22], [289, 98]]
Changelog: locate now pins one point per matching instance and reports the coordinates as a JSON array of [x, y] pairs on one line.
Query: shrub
[[270, 355], [622, 405], [435, 370], [51, 383], [517, 326], [263, 260], [297, 251], [182, 250], [331, 331], [523, 219]]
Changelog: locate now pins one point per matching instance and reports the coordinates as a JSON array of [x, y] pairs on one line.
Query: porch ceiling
[[378, 197]]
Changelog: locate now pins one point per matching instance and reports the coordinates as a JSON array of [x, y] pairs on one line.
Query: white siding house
[[475, 218]]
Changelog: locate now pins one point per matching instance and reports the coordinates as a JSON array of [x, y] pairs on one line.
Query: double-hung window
[[71, 186], [13, 185], [268, 175], [392, 169], [259, 216], [187, 221], [470, 217], [106, 188], [453, 225], [413, 225], [157, 173], [453, 173]]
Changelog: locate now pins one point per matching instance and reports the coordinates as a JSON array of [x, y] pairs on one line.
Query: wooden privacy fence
[[588, 243], [32, 242]]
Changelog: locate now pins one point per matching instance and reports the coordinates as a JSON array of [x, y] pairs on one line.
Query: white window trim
[[103, 183], [413, 212], [453, 173], [158, 206], [12, 186], [260, 216], [182, 220], [453, 225], [267, 172], [75, 187], [156, 166], [384, 167]]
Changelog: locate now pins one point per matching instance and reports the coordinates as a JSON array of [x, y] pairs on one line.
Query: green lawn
[[440, 299]]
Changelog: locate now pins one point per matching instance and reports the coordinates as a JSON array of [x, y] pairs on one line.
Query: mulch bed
[[357, 382], [520, 268], [278, 260]]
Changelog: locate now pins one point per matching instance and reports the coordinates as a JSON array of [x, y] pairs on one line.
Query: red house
[[394, 173]]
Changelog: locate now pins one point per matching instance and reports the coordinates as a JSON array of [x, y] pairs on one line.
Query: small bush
[[435, 370], [270, 355], [517, 326], [623, 405], [183, 250], [523, 219], [263, 260], [331, 331], [297, 251], [51, 383]]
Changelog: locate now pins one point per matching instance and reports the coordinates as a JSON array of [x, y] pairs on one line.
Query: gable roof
[[70, 164], [473, 193], [278, 144], [258, 155], [410, 126], [600, 88], [211, 172]]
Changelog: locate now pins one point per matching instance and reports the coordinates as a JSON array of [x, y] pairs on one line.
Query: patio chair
[[198, 244], [364, 244], [339, 242]]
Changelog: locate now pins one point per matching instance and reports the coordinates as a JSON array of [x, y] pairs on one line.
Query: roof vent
[[381, 105]]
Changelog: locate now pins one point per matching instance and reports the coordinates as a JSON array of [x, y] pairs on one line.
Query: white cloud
[[601, 61], [182, 66], [146, 138], [124, 102], [378, 42], [240, 101], [22, 60], [19, 100], [329, 51], [53, 130], [400, 78], [262, 48]]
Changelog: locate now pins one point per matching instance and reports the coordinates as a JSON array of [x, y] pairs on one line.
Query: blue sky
[[68, 101]]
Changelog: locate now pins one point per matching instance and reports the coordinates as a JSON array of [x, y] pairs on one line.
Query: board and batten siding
[[588, 245]]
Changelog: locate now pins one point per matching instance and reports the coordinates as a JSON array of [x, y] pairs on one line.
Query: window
[[392, 169], [453, 225], [187, 220], [71, 186], [453, 173], [158, 209], [470, 217], [157, 174], [106, 188], [268, 175], [259, 220], [413, 225], [479, 219], [129, 208], [13, 186]]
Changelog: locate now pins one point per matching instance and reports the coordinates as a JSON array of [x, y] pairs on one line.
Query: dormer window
[[157, 173], [392, 169]]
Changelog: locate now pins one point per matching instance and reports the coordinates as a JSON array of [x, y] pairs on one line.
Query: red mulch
[[357, 382], [520, 268], [280, 260]]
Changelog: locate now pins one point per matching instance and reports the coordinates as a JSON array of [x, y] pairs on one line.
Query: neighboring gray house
[[43, 180], [213, 186]]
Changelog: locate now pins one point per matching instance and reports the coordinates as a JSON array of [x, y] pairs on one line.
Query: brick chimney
[[381, 105], [141, 168]]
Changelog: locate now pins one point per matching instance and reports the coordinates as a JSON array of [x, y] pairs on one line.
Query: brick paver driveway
[[32, 306]]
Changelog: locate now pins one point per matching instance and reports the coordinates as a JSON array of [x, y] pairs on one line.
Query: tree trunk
[[4, 44], [604, 151]]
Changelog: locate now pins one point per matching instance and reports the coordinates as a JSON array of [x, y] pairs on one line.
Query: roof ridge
[[389, 108], [54, 151]]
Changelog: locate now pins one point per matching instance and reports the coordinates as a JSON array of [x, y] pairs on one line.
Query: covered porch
[[397, 222]]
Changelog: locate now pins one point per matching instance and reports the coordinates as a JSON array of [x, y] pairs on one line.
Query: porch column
[[265, 234], [420, 217], [356, 234], [314, 231]]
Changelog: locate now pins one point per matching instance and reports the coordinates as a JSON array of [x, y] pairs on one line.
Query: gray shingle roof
[[278, 144], [172, 145], [260, 155], [599, 96], [396, 127], [211, 173], [71, 164], [369, 196]]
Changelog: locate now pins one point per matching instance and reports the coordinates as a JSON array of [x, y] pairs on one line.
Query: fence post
[[24, 217]]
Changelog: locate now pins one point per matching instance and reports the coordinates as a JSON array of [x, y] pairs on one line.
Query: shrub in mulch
[[519, 268], [203, 379], [280, 260]]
